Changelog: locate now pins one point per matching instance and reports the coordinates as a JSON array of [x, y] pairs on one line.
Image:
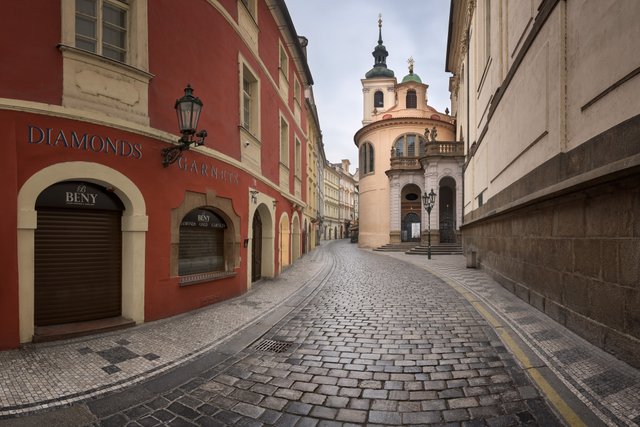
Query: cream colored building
[[331, 220], [406, 148], [313, 211], [546, 95], [347, 198]]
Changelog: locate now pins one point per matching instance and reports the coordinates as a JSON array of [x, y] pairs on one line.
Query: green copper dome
[[412, 77]]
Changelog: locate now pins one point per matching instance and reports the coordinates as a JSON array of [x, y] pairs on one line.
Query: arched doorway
[[447, 209], [295, 238], [410, 213], [305, 238], [285, 242], [256, 248], [77, 254]]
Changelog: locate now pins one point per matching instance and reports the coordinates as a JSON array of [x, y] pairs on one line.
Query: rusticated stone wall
[[576, 258]]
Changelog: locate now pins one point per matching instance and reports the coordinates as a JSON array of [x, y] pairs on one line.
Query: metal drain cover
[[272, 346]]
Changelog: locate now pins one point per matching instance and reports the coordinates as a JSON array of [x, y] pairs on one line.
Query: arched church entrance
[[447, 209], [410, 213]]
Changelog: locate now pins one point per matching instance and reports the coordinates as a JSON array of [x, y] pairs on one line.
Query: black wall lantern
[[188, 109]]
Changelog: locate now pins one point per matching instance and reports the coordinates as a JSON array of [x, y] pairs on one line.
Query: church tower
[[406, 148], [379, 82]]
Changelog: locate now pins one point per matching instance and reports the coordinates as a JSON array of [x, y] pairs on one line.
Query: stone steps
[[438, 249]]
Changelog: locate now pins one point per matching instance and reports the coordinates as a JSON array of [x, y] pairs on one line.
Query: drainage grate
[[272, 346]]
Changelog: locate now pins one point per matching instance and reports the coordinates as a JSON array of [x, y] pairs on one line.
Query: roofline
[[296, 41], [446, 61]]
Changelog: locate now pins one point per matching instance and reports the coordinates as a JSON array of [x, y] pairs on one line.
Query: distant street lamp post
[[428, 200]]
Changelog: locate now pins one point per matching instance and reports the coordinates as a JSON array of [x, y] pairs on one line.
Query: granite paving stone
[[375, 340]]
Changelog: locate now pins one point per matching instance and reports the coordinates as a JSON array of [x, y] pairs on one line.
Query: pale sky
[[343, 33]]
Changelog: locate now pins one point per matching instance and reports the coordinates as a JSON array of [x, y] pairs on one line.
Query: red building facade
[[101, 232]]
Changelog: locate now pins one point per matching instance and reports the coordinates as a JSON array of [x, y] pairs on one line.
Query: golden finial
[[380, 20]]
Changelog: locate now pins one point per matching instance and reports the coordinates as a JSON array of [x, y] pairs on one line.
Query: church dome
[[412, 77]]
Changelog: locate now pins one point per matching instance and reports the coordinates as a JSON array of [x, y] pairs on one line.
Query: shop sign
[[208, 170], [202, 218], [83, 141], [78, 194]]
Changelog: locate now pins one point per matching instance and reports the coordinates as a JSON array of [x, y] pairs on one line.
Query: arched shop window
[[201, 243]]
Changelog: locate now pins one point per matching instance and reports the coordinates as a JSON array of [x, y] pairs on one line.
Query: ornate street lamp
[[428, 200], [188, 109]]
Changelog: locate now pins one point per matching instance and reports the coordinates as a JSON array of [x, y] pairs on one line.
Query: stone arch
[[447, 209], [266, 208], [134, 228], [285, 242], [295, 237]]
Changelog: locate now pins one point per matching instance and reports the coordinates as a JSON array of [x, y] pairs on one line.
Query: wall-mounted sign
[[206, 169], [83, 141], [202, 218], [78, 194]]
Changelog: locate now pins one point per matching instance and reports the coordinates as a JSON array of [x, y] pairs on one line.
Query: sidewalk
[[49, 375], [608, 387]]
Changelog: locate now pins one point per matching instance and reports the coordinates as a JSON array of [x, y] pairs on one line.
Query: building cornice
[[397, 122]]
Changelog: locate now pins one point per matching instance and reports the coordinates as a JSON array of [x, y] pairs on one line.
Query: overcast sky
[[343, 33]]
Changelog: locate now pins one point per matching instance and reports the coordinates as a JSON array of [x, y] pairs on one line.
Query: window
[[298, 157], [406, 145], [366, 158], [250, 5], [250, 101], [284, 63], [201, 247], [297, 105], [101, 27], [378, 99], [412, 99], [284, 142]]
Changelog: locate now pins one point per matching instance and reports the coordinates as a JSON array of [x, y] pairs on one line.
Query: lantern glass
[[188, 110]]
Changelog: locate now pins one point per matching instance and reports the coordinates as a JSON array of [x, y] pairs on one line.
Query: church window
[[366, 158], [378, 99], [412, 99], [405, 145]]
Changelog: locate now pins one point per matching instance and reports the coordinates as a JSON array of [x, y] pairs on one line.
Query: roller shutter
[[78, 255]]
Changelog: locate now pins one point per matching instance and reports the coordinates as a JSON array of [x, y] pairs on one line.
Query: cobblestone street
[[374, 341]]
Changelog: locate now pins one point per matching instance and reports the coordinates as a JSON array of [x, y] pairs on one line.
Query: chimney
[[345, 165]]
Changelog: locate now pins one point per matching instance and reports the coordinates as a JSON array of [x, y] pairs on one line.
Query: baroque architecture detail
[[406, 148]]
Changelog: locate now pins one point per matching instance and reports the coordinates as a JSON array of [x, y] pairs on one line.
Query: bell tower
[[378, 86]]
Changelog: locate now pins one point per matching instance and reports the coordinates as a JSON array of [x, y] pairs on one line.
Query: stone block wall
[[576, 257]]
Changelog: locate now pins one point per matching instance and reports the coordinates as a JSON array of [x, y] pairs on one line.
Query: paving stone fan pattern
[[382, 343]]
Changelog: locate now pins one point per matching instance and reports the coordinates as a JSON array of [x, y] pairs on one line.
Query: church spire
[[380, 55]]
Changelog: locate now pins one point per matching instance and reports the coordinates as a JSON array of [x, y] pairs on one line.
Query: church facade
[[406, 149]]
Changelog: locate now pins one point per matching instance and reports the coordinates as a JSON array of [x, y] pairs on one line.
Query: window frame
[[284, 139], [217, 242], [367, 159], [411, 99], [378, 101], [247, 74], [402, 145], [99, 28]]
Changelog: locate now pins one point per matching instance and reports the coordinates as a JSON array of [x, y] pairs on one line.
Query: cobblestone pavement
[[367, 340], [609, 387]]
